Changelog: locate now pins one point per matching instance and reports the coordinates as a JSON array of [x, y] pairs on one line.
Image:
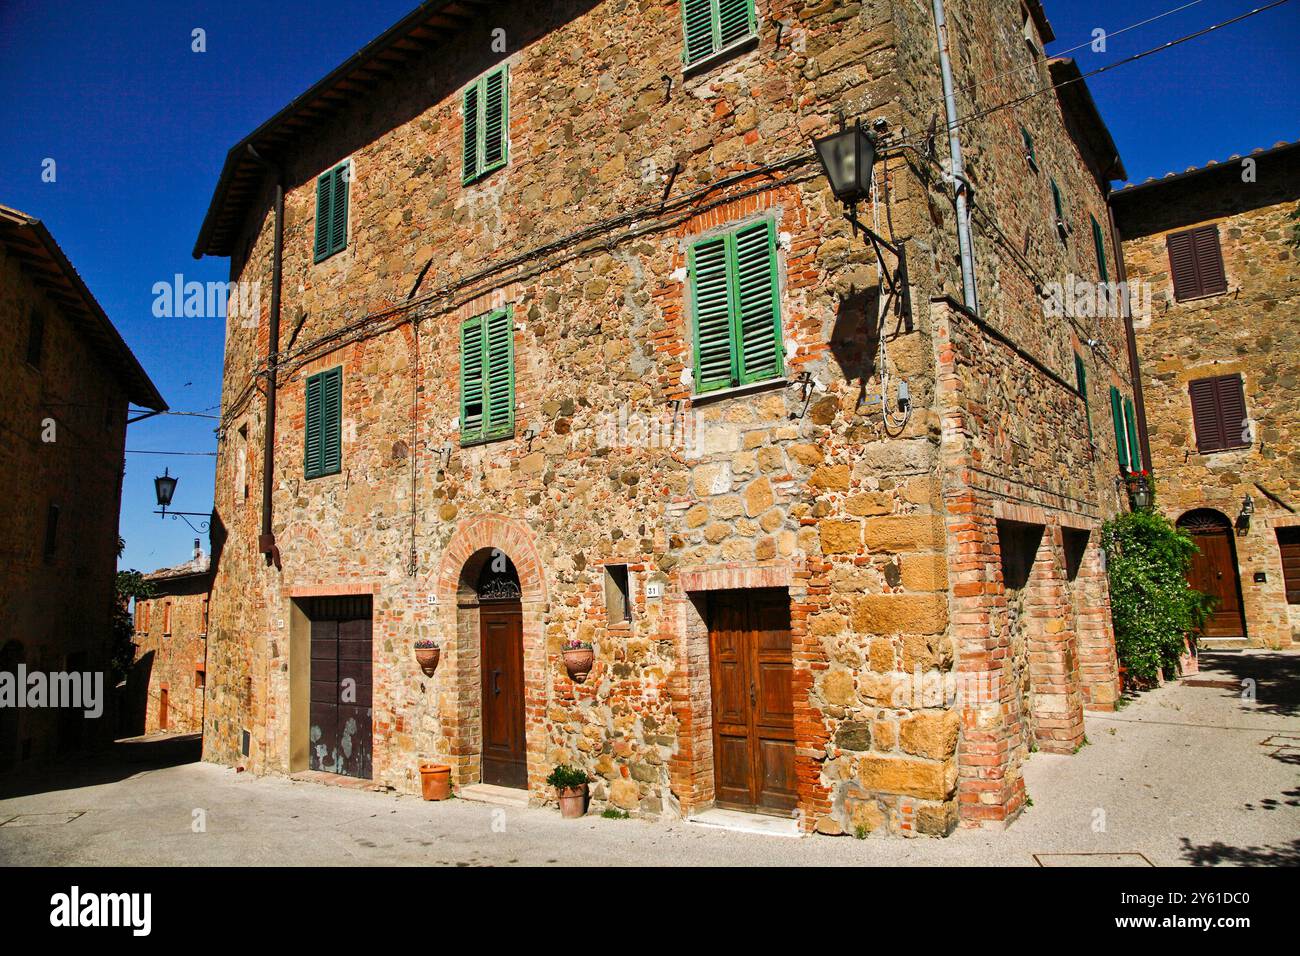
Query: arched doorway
[[1214, 570], [501, 670]]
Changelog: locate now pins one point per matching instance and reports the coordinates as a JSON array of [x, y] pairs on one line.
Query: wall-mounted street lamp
[[164, 487], [1138, 486], [847, 158], [1247, 509]]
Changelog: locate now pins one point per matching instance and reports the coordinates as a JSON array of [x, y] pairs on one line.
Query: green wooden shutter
[[1081, 377], [1117, 419], [1100, 245], [499, 372], [756, 303], [1029, 148], [312, 428], [472, 412], [495, 119], [332, 421], [469, 146], [1134, 451], [324, 190], [1058, 202], [339, 210], [697, 29], [714, 361], [736, 21]]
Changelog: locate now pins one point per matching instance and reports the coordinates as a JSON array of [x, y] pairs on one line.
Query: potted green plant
[[570, 785], [427, 654], [578, 657]]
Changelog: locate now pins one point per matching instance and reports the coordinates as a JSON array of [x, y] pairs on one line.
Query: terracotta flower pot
[[573, 801], [427, 658], [435, 781], [577, 661]]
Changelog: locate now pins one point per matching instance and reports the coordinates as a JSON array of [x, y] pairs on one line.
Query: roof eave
[[1075, 97]]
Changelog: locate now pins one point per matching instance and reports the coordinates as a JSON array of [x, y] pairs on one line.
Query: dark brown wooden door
[[753, 700], [341, 679], [501, 633], [1214, 572], [162, 709]]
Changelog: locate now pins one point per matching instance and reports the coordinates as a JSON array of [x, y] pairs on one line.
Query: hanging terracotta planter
[[435, 781], [578, 658], [427, 655]]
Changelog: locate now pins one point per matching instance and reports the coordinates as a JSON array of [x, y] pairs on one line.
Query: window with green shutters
[[737, 308], [1029, 149], [1081, 379], [1121, 429], [323, 430], [1099, 243], [486, 111], [332, 211], [711, 26], [1134, 450], [487, 378]]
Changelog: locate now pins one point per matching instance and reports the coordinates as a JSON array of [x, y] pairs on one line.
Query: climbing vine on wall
[[1152, 605]]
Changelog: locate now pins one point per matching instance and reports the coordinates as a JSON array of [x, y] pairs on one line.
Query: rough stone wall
[[796, 484], [173, 657], [55, 614], [1251, 330]]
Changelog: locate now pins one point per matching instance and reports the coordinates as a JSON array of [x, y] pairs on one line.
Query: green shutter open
[[471, 381], [323, 424], [494, 120], [1100, 245], [1117, 419], [331, 213], [1029, 148], [714, 364], [324, 190], [756, 305], [1134, 451], [485, 143], [500, 373], [1081, 378], [469, 147], [1058, 202], [339, 210], [709, 26]]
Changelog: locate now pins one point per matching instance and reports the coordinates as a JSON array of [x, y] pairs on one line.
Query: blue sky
[[139, 124]]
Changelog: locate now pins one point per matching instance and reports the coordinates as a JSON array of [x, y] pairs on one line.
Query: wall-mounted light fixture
[[1247, 509], [164, 487]]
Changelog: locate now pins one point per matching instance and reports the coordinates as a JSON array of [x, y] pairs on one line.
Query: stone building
[[171, 632], [1214, 250], [569, 341], [66, 378]]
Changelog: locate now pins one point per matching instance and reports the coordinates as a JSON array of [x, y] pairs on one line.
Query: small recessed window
[[618, 606], [35, 338]]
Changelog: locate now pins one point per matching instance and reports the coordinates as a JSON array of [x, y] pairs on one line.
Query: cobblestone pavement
[[1185, 774]]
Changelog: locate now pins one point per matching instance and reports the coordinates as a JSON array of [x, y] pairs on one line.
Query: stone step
[[491, 793], [740, 822]]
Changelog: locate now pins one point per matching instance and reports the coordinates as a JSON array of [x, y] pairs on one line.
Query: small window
[[487, 378], [323, 428], [737, 308], [1219, 413], [618, 604], [710, 27], [1030, 156], [1081, 380], [486, 132], [1099, 246], [1288, 542], [332, 211], [241, 461], [35, 338], [51, 533], [1196, 263], [203, 618], [1031, 32], [200, 679], [167, 619]]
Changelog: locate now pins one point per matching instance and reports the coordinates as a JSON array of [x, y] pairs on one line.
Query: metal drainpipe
[[969, 292], [266, 542]]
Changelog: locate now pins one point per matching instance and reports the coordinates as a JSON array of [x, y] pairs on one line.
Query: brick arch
[[489, 530]]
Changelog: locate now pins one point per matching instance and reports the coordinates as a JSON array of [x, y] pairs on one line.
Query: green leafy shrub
[[565, 777], [1152, 605]]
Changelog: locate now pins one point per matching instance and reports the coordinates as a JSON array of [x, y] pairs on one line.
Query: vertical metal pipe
[[969, 292], [266, 543]]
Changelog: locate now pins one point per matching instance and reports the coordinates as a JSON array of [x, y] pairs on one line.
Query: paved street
[[1182, 775]]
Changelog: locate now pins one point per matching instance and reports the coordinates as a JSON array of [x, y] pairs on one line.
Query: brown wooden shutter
[[1232, 411], [1219, 413], [1196, 263]]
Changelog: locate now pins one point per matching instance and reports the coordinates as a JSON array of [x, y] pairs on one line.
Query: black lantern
[[1247, 509], [1141, 494], [847, 158], [164, 486]]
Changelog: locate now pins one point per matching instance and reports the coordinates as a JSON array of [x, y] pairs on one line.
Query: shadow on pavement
[[1221, 854], [120, 760], [1276, 677]]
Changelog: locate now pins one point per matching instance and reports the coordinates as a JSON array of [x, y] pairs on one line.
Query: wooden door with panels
[[751, 668], [1214, 571]]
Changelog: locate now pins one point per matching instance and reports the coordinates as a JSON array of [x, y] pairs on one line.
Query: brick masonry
[[885, 535]]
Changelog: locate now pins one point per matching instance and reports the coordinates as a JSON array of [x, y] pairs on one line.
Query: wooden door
[[502, 660], [753, 700], [162, 709], [341, 678], [1214, 572]]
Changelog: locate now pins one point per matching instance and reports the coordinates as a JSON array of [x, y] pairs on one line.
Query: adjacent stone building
[[66, 378], [572, 343], [171, 632], [1214, 252]]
